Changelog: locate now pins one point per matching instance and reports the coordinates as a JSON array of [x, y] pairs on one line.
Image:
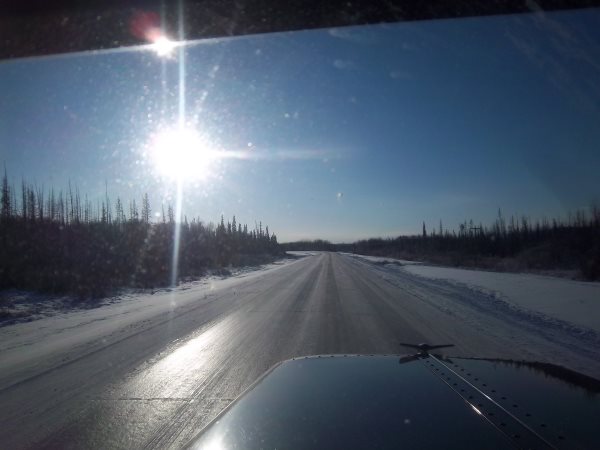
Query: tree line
[[63, 242], [513, 244]]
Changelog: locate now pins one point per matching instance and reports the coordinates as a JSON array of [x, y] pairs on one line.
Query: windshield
[[178, 217]]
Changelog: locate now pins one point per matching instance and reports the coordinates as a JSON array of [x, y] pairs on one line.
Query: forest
[[570, 245], [62, 242]]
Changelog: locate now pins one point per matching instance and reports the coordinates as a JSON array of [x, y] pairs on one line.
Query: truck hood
[[376, 401]]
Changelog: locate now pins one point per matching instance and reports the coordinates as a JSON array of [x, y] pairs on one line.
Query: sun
[[163, 46], [182, 154]]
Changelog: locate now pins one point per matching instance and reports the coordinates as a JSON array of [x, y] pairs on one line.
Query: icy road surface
[[151, 371]]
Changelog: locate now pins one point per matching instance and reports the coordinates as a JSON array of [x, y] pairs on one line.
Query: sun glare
[[182, 154], [163, 46]]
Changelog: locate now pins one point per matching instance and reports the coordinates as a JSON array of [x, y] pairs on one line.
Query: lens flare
[[182, 154], [163, 46]]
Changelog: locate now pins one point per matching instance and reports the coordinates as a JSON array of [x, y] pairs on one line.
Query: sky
[[337, 134]]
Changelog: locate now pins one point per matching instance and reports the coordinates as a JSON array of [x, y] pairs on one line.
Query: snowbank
[[576, 302], [25, 306], [382, 259], [301, 253]]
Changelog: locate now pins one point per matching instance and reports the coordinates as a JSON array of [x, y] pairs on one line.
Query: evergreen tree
[[6, 209], [146, 209]]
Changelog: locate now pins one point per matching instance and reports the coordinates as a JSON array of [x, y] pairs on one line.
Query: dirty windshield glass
[[178, 217]]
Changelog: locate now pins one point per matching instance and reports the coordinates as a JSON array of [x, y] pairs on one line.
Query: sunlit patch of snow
[[577, 302]]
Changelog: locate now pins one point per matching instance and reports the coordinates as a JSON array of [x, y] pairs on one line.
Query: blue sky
[[347, 133]]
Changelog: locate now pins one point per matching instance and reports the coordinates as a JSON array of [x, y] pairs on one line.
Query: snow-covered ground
[[576, 302], [300, 253], [382, 260], [55, 329], [25, 306], [552, 319], [155, 368], [549, 319]]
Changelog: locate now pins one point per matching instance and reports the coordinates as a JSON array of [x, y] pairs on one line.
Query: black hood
[[342, 401]]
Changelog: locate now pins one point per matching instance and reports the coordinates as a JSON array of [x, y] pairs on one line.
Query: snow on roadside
[[65, 334], [298, 253], [381, 260], [18, 306], [548, 319], [576, 302], [572, 301]]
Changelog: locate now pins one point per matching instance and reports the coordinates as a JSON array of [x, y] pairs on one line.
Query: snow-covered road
[[152, 370]]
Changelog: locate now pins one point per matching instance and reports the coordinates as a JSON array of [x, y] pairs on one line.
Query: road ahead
[[161, 381]]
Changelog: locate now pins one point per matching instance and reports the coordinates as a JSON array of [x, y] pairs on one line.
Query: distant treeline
[[318, 245], [60, 243], [513, 244]]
